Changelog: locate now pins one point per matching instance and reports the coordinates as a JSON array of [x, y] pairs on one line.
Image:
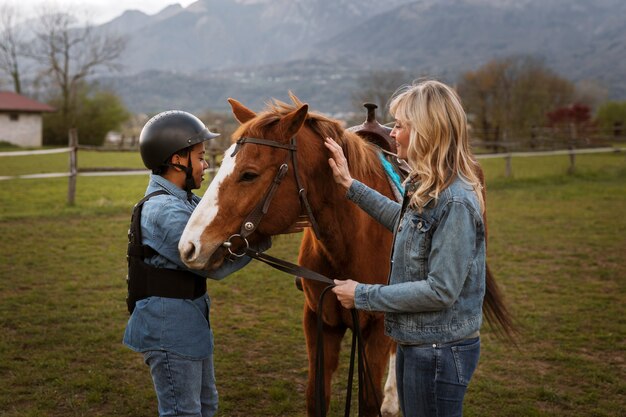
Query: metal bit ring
[[229, 244]]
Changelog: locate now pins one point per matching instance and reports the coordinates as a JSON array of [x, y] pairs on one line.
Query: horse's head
[[245, 177]]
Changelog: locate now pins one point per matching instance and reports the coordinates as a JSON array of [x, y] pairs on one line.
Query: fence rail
[[40, 152], [74, 171], [550, 153], [508, 156]]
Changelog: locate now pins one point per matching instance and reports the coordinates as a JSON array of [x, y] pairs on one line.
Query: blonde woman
[[433, 300]]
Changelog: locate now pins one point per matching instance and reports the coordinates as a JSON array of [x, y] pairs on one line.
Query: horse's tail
[[496, 311], [494, 308]]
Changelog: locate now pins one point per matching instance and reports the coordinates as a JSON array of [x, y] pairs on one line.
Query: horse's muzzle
[[195, 255]]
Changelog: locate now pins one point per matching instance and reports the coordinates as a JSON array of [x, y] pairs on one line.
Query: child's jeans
[[184, 387]]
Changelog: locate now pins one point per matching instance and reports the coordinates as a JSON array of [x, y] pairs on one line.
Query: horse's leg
[[332, 343], [310, 329], [391, 406], [377, 349]]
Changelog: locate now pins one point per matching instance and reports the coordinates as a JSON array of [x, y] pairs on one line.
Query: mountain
[[579, 39], [324, 85], [262, 48], [131, 21], [218, 34]]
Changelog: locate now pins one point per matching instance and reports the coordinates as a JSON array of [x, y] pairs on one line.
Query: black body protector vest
[[145, 280]]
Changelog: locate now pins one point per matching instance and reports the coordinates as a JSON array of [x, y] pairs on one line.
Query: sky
[[98, 11]]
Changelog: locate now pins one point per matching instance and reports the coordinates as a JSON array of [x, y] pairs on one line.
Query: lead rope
[[357, 339], [351, 372], [320, 390], [363, 366]]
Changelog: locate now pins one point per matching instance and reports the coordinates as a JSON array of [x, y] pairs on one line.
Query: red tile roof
[[10, 101]]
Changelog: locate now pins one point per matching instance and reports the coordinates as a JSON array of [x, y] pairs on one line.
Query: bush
[[94, 113], [611, 118]]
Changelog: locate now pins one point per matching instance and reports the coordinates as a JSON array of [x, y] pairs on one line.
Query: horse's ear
[[241, 112], [291, 124]]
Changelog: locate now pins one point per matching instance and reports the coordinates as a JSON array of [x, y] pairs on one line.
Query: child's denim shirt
[[437, 278], [170, 324]]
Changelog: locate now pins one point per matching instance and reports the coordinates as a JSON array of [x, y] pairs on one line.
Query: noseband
[[253, 219]]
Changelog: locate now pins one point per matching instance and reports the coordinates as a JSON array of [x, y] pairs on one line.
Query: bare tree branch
[[70, 53], [12, 45], [508, 98]]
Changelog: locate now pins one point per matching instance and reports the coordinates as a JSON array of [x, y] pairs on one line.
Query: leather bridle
[[251, 222]]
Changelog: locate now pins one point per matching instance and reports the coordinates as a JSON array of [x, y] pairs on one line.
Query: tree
[[611, 118], [377, 87], [570, 122], [485, 92], [510, 97], [222, 123], [97, 112], [69, 54], [592, 93], [12, 45]]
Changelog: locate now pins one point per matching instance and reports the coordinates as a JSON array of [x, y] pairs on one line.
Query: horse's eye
[[248, 176]]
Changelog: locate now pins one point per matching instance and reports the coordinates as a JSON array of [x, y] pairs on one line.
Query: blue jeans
[[184, 387], [432, 380]]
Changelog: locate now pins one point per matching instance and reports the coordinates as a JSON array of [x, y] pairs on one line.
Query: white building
[[20, 119]]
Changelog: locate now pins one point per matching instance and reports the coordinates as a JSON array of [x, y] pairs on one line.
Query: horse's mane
[[361, 155]]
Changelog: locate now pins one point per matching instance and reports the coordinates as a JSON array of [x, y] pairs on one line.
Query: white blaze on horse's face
[[196, 245]]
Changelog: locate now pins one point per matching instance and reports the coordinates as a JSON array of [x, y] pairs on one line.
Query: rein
[[357, 339], [250, 224]]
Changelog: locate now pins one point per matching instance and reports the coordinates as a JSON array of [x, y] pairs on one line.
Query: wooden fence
[[74, 171]]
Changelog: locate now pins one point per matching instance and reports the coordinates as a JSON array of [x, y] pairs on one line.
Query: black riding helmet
[[169, 132]]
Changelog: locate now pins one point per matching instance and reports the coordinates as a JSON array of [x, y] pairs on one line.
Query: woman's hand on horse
[[338, 164], [345, 292]]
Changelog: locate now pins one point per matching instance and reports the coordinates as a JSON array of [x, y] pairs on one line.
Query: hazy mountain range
[[195, 57]]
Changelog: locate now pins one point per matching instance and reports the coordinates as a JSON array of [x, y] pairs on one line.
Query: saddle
[[396, 169], [374, 132], [379, 135]]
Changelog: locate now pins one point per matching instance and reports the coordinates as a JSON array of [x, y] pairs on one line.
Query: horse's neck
[[342, 223]]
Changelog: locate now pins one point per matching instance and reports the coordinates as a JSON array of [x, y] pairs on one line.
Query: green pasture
[[557, 246]]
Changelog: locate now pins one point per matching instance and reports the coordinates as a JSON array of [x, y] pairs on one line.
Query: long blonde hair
[[439, 148]]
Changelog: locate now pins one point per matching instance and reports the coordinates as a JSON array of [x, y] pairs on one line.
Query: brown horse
[[351, 244]]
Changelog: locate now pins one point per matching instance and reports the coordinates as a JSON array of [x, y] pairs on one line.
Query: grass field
[[557, 246]]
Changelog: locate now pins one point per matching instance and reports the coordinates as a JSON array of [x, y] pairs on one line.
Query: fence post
[[572, 160], [509, 168], [73, 144]]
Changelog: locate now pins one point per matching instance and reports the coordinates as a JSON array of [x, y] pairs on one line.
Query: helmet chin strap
[[190, 183]]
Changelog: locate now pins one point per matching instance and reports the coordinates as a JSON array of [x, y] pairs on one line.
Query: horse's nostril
[[189, 251]]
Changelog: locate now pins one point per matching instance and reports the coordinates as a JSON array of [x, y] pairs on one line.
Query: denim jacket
[[170, 324], [437, 280]]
